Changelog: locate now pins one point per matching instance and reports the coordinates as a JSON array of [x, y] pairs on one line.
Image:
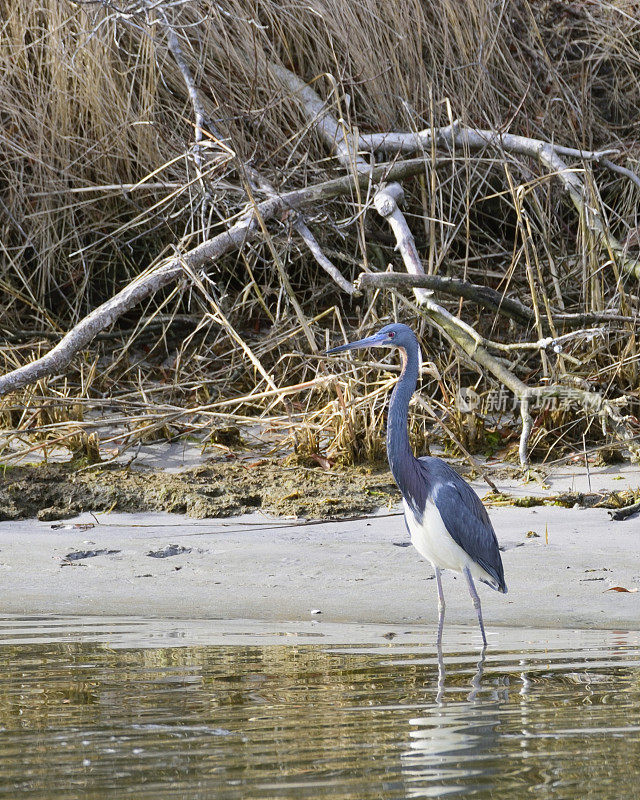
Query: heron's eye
[[391, 334]]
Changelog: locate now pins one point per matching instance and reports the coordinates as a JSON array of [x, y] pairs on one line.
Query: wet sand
[[273, 569]]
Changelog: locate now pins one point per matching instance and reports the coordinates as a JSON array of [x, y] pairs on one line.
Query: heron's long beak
[[370, 341]]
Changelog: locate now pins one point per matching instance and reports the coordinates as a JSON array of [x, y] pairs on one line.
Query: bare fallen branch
[[485, 297], [592, 318], [547, 153], [473, 138], [555, 342], [621, 171], [338, 138], [481, 295], [321, 258], [386, 202], [176, 51], [475, 347], [170, 270], [300, 226]]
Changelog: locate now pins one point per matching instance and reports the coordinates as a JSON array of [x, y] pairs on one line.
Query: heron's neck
[[401, 458]]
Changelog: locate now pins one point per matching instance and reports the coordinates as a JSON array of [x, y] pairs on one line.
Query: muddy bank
[[284, 487], [292, 487]]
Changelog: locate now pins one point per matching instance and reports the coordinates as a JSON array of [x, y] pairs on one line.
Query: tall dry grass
[[97, 181]]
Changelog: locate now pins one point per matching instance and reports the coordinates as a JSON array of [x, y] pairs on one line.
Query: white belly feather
[[432, 540]]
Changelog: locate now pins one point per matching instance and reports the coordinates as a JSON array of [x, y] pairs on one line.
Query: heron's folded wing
[[467, 522]]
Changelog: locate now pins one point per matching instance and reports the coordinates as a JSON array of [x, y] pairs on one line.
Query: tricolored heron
[[447, 522]]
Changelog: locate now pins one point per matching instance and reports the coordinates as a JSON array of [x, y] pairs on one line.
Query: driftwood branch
[[475, 347], [626, 512], [621, 171], [455, 136], [579, 320], [387, 198], [480, 295], [472, 138], [170, 270], [198, 109]]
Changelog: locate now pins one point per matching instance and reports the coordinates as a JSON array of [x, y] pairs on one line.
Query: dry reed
[[98, 181]]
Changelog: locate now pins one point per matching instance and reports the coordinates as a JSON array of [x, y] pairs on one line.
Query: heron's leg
[[441, 675], [441, 605], [476, 602]]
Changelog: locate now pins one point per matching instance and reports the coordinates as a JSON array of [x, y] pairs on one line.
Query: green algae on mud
[[219, 489]]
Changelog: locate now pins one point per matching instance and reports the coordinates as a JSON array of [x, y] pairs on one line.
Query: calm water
[[164, 709]]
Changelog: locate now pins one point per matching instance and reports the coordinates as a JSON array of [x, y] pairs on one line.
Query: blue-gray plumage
[[448, 524]]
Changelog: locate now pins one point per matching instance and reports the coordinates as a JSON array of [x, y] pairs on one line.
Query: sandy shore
[[272, 569]]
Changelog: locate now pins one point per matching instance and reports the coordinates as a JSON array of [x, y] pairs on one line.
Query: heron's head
[[396, 335]]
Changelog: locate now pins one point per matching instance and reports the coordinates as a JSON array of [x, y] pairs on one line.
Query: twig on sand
[[626, 512]]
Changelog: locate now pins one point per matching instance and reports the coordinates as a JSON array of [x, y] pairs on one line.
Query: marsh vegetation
[[171, 201]]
